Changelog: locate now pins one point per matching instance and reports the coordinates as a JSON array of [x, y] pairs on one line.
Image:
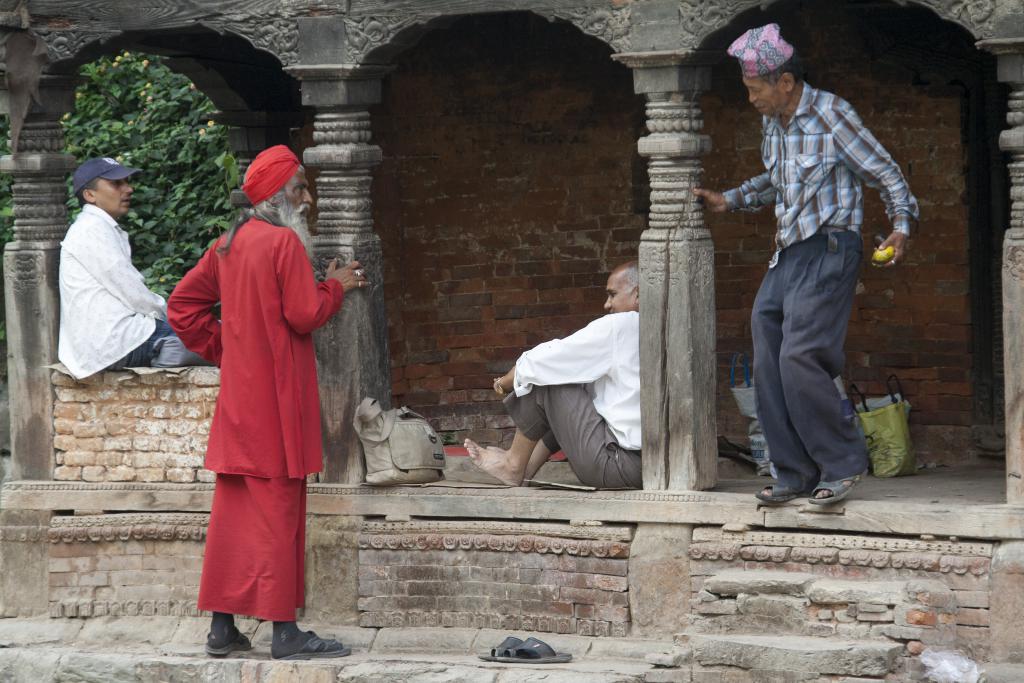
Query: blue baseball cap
[[100, 167]]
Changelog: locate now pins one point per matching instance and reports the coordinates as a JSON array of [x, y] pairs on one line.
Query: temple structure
[[104, 511]]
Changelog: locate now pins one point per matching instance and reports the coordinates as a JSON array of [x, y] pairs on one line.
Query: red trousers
[[254, 563]]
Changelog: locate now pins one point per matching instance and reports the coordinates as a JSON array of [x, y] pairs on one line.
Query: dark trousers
[[799, 325]]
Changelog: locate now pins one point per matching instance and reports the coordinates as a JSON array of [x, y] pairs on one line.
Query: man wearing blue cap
[[108, 317]]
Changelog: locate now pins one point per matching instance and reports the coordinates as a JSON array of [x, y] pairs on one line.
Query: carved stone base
[[125, 564], [534, 577]]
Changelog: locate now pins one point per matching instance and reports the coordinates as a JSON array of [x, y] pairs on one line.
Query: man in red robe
[[265, 436]]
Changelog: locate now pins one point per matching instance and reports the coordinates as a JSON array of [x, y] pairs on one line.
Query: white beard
[[298, 221]]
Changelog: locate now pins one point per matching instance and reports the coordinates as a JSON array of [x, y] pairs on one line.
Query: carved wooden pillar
[[352, 350], [251, 132], [677, 288], [32, 298], [1010, 69]]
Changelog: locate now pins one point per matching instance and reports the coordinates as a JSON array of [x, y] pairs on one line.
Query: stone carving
[[106, 486], [606, 533], [495, 543], [507, 622], [798, 540], [276, 34], [1013, 262], [67, 44], [364, 34], [127, 608], [109, 528], [28, 273], [700, 18], [567, 496], [610, 25]]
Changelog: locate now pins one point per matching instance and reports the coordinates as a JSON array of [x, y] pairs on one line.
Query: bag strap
[[405, 412], [888, 387], [369, 409], [742, 357], [854, 389]]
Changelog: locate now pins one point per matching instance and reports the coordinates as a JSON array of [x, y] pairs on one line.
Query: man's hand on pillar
[[351, 275], [713, 201]]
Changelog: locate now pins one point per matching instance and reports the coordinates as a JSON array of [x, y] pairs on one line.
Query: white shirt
[[106, 310], [605, 355]]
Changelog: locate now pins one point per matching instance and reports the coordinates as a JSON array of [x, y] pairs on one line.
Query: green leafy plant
[[134, 108]]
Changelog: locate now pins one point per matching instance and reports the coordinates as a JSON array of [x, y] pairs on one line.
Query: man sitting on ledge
[[580, 394], [108, 317]]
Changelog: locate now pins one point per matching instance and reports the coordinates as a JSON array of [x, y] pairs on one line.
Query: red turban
[[268, 173]]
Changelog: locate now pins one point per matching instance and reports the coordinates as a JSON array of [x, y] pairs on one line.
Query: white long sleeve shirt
[[106, 310], [604, 355]]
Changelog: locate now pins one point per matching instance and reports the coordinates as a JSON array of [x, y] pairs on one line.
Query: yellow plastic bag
[[887, 432]]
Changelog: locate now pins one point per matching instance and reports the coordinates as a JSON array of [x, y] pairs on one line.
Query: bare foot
[[495, 462]]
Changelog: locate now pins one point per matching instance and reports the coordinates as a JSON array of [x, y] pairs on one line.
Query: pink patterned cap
[[761, 51]]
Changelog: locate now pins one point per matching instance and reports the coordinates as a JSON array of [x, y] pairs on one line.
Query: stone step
[[43, 665], [1003, 673], [735, 581], [798, 654]]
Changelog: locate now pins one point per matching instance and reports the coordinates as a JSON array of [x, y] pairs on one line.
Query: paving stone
[[1004, 673], [17, 632], [399, 672], [833, 591], [672, 657], [798, 654], [455, 640], [131, 630], [626, 648], [736, 581]]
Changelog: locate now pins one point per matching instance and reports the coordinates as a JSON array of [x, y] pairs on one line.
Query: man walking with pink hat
[[817, 153]]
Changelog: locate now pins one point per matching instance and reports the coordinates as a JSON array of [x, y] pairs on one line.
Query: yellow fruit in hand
[[883, 255]]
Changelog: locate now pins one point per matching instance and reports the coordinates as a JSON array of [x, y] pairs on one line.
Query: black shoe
[[238, 642], [309, 646]]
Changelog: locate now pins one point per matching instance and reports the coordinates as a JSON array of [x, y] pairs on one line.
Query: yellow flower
[[202, 131], [66, 117], [145, 62], [149, 99], [211, 123]]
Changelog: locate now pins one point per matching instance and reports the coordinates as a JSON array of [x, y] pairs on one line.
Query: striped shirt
[[815, 168]]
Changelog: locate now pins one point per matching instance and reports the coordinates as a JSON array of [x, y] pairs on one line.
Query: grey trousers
[[799, 325], [565, 414]]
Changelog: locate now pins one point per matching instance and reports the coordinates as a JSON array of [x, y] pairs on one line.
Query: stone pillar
[[1007, 602], [32, 299], [352, 350], [677, 285], [1010, 69], [659, 580], [251, 132]]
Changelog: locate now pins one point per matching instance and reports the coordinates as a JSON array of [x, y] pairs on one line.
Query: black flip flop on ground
[[239, 644], [316, 647], [532, 651]]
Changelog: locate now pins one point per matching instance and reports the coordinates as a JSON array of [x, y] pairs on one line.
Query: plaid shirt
[[815, 168]]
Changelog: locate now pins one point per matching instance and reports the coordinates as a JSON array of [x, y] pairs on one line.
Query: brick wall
[[946, 587], [123, 426], [511, 184], [505, 196], [125, 564], [531, 577], [913, 321]]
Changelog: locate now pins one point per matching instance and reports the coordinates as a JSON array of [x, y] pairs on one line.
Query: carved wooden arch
[[67, 49], [699, 19], [376, 39]]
